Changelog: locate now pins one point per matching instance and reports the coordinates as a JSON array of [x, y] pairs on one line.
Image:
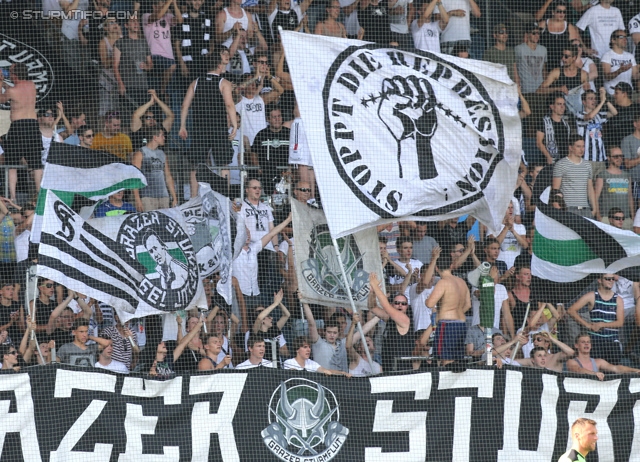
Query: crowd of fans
[[220, 68]]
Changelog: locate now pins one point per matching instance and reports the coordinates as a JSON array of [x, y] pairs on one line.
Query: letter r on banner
[[203, 423]]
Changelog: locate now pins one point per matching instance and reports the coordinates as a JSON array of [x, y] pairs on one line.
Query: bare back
[[451, 294], [23, 100]]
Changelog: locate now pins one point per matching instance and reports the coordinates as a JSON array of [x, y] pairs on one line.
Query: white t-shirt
[[415, 264], [421, 313], [245, 269], [309, 365], [427, 37], [253, 117], [624, 288], [70, 26], [249, 365], [616, 61], [114, 366], [499, 297], [601, 23], [510, 247], [46, 144], [257, 219], [281, 341], [459, 28], [363, 369], [351, 23]]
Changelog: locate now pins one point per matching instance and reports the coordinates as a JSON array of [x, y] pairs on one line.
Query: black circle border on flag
[[381, 212]]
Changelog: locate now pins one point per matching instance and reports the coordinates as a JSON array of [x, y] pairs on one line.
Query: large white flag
[[318, 270], [393, 134]]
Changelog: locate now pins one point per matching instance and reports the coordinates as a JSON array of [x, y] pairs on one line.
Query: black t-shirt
[[188, 361], [560, 134], [43, 312], [61, 337], [543, 181], [448, 236], [374, 19], [621, 125], [275, 146]]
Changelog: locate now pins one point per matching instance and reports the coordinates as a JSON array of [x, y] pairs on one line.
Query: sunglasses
[[621, 36], [617, 218], [609, 279], [304, 189], [400, 303], [48, 286], [149, 118], [112, 115], [566, 56], [535, 32], [14, 353], [47, 114], [540, 339], [87, 136]]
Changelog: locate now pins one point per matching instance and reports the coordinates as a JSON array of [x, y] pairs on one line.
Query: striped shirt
[[122, 349], [574, 181], [591, 131], [605, 311]]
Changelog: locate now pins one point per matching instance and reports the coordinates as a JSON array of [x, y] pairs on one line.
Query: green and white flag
[[569, 250], [73, 170], [318, 270]]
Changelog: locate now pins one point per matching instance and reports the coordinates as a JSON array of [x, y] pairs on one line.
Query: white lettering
[[608, 396], [203, 423], [634, 387], [483, 381], [136, 424], [23, 419], [548, 426], [386, 420], [66, 382]]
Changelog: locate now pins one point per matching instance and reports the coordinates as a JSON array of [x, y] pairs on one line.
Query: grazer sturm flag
[[73, 170], [397, 135], [141, 264], [570, 250], [320, 278]]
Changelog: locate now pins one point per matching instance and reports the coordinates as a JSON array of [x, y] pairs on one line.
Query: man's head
[[405, 247], [341, 320], [7, 291], [491, 249], [253, 189], [157, 136], [500, 34], [615, 156], [155, 246], [539, 357], [220, 323], [560, 10], [284, 5], [133, 24], [618, 39], [359, 346], [498, 340], [583, 343], [584, 435], [256, 346], [195, 5], [302, 347], [331, 331], [302, 191], [607, 280], [382, 244], [149, 120], [46, 287], [80, 330], [275, 118], [622, 94], [86, 136], [261, 62], [616, 217], [576, 145], [212, 343], [46, 117], [569, 55], [542, 341], [78, 118], [219, 55], [106, 352], [461, 50], [444, 262], [557, 104], [589, 99], [112, 124], [267, 321], [533, 34], [117, 197]]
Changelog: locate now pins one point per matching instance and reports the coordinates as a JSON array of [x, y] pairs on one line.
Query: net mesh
[[161, 158]]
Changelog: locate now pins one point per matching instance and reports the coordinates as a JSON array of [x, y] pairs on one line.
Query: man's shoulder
[[571, 456]]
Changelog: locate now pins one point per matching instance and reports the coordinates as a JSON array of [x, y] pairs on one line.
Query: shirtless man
[[583, 363], [23, 143], [451, 294]]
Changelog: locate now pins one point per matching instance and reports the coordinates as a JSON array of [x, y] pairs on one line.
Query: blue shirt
[[107, 209]]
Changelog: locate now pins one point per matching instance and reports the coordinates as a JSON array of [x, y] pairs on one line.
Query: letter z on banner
[[396, 134]]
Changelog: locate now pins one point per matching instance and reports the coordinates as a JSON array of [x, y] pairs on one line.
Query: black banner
[[64, 413]]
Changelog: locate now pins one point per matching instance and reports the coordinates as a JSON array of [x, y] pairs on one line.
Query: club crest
[[304, 422]]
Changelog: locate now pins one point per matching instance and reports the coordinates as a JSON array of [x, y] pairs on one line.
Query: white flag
[[398, 135], [318, 270]]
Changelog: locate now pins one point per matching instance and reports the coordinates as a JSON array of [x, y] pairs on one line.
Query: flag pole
[[32, 313], [347, 288], [243, 172], [524, 323]]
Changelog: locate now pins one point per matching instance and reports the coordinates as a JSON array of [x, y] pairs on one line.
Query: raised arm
[[275, 231], [51, 325], [285, 316], [313, 328], [277, 298], [586, 299], [136, 118], [400, 318], [190, 336]]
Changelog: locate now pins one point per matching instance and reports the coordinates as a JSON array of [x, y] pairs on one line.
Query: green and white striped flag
[[72, 170], [570, 250]]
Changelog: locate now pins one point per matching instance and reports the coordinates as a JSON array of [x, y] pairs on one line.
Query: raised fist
[[407, 108]]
